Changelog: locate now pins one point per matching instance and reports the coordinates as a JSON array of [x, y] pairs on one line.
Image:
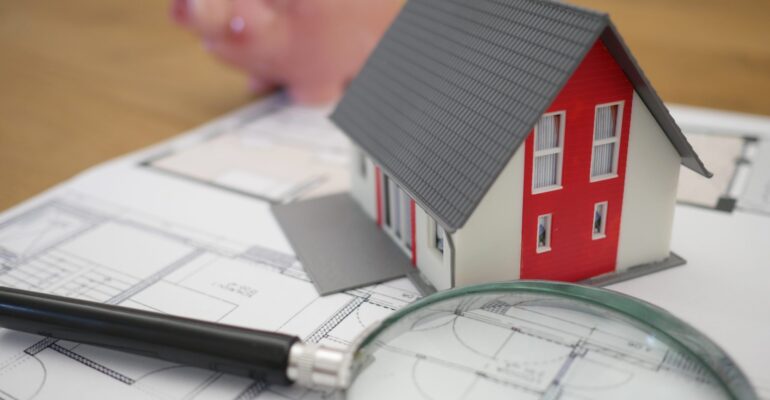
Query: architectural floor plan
[[282, 154], [81, 248], [736, 149], [523, 347], [196, 238]]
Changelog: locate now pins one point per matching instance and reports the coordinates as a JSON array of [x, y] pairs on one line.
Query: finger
[[252, 18], [209, 17], [232, 52], [261, 85]]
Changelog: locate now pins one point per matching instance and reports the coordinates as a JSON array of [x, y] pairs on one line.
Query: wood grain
[[82, 81]]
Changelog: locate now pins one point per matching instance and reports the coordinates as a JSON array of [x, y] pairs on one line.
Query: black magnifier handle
[[272, 357]]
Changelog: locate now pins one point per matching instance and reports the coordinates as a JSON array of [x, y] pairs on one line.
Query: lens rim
[[661, 322]]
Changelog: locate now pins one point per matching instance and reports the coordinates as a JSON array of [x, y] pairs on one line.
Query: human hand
[[311, 47]]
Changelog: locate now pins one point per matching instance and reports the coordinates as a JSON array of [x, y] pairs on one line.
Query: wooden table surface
[[82, 81]]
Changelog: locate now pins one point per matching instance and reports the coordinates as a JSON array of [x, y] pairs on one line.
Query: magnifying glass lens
[[520, 345]]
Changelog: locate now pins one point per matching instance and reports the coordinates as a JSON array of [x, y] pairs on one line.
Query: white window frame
[[560, 150], [547, 247], [397, 214], [603, 233], [615, 139]]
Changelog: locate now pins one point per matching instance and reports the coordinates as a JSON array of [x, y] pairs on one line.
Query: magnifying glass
[[515, 340]]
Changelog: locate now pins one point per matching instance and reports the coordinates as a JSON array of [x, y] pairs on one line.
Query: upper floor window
[[604, 157], [549, 152]]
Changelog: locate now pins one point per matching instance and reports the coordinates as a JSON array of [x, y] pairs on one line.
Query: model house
[[509, 139]]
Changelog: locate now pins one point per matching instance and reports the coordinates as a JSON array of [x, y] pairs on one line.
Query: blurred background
[[82, 81]]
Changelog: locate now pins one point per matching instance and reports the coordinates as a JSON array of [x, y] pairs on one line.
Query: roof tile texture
[[454, 88]]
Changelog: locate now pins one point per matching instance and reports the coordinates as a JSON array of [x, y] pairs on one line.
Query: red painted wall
[[574, 254]]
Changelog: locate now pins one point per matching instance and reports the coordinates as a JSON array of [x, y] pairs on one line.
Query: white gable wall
[[652, 174], [434, 265], [488, 247], [437, 267]]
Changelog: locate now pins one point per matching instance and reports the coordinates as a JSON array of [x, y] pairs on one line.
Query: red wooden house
[[513, 139]]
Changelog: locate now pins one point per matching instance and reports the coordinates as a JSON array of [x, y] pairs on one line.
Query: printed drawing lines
[[36, 231], [91, 364], [555, 353], [64, 271], [147, 282], [322, 331], [113, 255]]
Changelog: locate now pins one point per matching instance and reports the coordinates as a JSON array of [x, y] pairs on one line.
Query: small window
[[544, 233], [600, 220], [604, 158], [406, 205], [438, 237], [549, 149], [396, 212], [362, 169], [395, 204], [386, 198]]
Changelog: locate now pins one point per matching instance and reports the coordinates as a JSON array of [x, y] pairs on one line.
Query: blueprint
[[77, 247], [160, 230], [283, 154], [526, 347], [129, 235], [736, 148], [280, 154]]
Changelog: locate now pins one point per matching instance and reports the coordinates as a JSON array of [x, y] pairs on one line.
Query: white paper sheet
[[289, 153], [128, 234]]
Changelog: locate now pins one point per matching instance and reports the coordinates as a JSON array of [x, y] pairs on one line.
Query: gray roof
[[455, 86]]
